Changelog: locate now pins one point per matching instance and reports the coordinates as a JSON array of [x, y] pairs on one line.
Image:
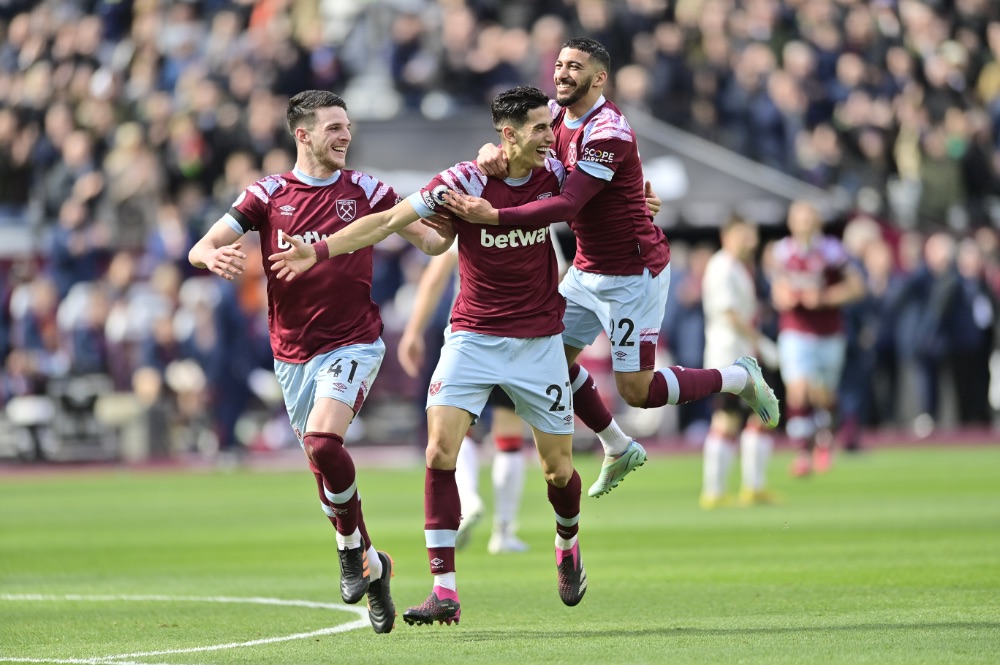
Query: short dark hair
[[302, 107], [514, 105], [593, 48]]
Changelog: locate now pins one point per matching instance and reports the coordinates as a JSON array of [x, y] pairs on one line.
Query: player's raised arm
[[219, 252]]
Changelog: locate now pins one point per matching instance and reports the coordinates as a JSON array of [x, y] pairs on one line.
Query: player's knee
[[558, 472], [439, 455], [322, 451], [726, 423], [634, 394]]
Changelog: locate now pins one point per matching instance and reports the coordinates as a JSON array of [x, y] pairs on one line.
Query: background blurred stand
[[63, 426]]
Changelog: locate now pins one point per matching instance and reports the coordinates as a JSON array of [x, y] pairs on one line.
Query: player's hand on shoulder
[[471, 208], [492, 161], [295, 261], [227, 261]]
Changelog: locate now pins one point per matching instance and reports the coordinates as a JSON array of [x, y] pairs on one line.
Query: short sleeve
[[606, 142]]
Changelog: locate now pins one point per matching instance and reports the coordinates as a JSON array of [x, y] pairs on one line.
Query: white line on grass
[[127, 659]]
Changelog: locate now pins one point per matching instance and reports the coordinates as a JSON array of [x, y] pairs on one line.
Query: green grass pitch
[[893, 557]]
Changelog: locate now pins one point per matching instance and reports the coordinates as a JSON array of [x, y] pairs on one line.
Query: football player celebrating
[[327, 351], [505, 331]]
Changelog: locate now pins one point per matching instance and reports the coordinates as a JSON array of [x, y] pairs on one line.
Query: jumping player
[[621, 274]]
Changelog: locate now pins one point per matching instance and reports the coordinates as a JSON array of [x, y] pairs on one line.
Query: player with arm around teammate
[[505, 331], [621, 273], [325, 329]]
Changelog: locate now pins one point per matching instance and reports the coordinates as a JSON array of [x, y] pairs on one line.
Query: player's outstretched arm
[[577, 190], [432, 283], [364, 232], [432, 235], [219, 252]]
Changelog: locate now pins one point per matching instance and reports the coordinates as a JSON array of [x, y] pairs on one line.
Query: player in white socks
[[731, 330]]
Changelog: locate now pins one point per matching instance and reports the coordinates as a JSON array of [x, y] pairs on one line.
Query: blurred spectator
[[974, 323], [684, 329], [15, 168], [78, 246]]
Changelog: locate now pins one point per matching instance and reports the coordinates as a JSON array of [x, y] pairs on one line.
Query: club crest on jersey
[[347, 209], [435, 388], [571, 156]]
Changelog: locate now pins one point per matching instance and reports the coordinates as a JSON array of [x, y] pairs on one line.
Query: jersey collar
[[517, 182], [315, 182], [573, 124]]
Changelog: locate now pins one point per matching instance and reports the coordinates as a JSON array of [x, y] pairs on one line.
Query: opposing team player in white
[[732, 330], [621, 274], [505, 331], [325, 329]]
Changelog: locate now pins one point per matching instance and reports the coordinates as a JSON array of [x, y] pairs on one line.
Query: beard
[[323, 158], [578, 93]]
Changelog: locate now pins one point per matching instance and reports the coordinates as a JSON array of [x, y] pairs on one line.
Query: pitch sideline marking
[[128, 658]]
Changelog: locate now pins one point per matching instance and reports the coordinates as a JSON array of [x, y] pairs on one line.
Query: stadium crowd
[[129, 127]]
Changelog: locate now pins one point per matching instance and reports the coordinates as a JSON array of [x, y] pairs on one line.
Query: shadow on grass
[[681, 631]]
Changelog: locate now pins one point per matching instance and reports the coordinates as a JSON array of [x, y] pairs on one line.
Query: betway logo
[[513, 238], [307, 237]]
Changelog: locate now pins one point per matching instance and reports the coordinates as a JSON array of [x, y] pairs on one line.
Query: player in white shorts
[[507, 430], [813, 280], [620, 275], [505, 331], [327, 352], [731, 330]]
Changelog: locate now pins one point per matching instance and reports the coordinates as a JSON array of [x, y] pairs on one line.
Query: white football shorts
[[532, 371], [628, 308], [817, 359], [345, 374]]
